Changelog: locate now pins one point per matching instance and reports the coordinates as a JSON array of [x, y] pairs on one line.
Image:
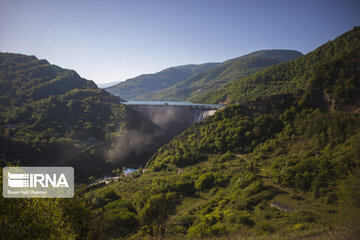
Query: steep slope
[[296, 75], [24, 78], [52, 116], [279, 167], [226, 72], [147, 83]]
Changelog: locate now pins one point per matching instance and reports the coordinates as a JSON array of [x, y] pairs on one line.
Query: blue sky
[[109, 41]]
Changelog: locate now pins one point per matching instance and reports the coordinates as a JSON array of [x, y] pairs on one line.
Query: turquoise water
[[170, 103]]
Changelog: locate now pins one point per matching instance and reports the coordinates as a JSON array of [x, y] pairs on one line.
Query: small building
[[282, 207], [129, 171]]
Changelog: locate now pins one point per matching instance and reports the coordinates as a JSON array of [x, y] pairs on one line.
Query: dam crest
[[170, 115]]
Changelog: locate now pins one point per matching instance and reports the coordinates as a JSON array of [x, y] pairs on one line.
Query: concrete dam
[[174, 116]]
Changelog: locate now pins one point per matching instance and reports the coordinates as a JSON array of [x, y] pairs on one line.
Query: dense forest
[[281, 162], [52, 116]]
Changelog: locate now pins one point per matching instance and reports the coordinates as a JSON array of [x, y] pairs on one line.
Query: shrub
[[240, 203], [302, 216], [300, 226], [253, 189], [296, 196], [186, 188], [226, 157], [111, 195], [119, 222], [265, 227], [241, 180], [205, 181], [205, 229], [185, 220], [243, 218]]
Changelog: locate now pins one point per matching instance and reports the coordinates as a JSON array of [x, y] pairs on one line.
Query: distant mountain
[[52, 116], [226, 72], [147, 83], [319, 68], [109, 84]]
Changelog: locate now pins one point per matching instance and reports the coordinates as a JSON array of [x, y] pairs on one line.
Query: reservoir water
[[170, 103]]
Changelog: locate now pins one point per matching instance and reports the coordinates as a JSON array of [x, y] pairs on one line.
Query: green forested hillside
[[131, 89], [226, 72], [25, 78], [52, 116], [279, 167], [225, 176], [283, 162], [320, 66]]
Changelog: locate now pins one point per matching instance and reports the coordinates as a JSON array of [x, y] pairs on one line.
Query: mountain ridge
[[217, 76], [286, 77], [146, 83]]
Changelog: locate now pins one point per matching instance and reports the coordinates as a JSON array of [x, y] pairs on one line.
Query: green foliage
[[302, 216], [230, 130], [265, 227], [203, 229], [349, 200], [226, 157], [253, 189], [119, 219], [77, 212], [31, 218], [339, 76], [205, 181], [184, 185], [236, 217], [25, 78], [156, 211], [103, 197], [318, 168]]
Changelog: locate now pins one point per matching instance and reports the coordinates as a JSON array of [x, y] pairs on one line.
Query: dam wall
[[167, 115], [175, 117]]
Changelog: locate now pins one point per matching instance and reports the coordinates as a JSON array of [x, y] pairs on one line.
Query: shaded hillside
[[25, 78], [319, 67], [131, 89], [226, 72], [52, 116]]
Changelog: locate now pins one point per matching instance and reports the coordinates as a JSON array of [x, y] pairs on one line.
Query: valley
[[279, 160]]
